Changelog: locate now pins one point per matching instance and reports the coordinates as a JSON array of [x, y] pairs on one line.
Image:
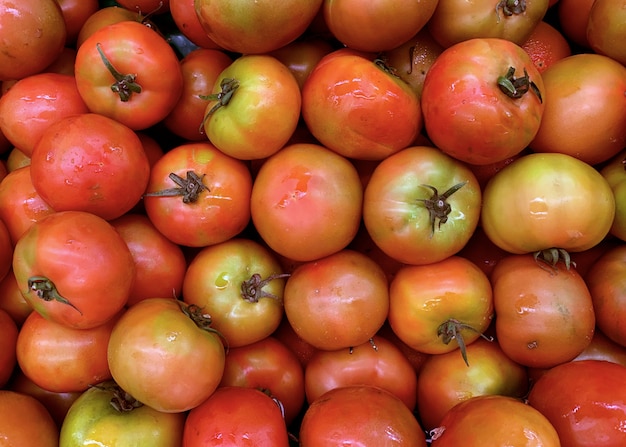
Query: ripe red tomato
[[300, 347], [302, 55], [535, 204], [360, 415], [128, 72], [495, 420], [6, 250], [584, 401], [8, 347], [164, 353], [75, 13], [88, 162], [603, 348], [253, 107], [354, 106], [25, 421], [434, 304], [198, 196], [338, 301], [306, 202], [545, 314], [12, 300], [106, 16], [478, 81], [421, 206], [74, 268], [236, 416], [183, 13]]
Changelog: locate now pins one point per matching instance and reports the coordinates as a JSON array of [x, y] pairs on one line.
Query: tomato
[[614, 171], [415, 358], [103, 17], [421, 206], [15, 160], [546, 45], [545, 314], [25, 421], [32, 34], [377, 362], [260, 27], [270, 366], [106, 415], [338, 301], [296, 344], [253, 108], [605, 29], [535, 204], [573, 17], [165, 355], [146, 6], [477, 81], [20, 204], [585, 116], [302, 55], [8, 343], [6, 250], [584, 401], [128, 72], [239, 283], [603, 348], [482, 252], [607, 286], [306, 202], [12, 301], [160, 264], [354, 106], [200, 69], [360, 28], [360, 415], [74, 268], [454, 21], [431, 305], [445, 380], [88, 162], [495, 420], [62, 359], [198, 196], [183, 13], [36, 102], [75, 13]]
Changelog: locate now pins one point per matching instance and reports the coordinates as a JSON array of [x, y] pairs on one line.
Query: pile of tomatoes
[[313, 223]]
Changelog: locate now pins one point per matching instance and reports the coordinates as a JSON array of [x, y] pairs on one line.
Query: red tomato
[[377, 362], [183, 13], [482, 252], [573, 17], [6, 250], [546, 45], [444, 380], [239, 283], [285, 334], [25, 421], [603, 348], [545, 315], [360, 415], [421, 206], [160, 264], [478, 81], [164, 353], [75, 13], [260, 27], [584, 401], [8, 346], [103, 17], [494, 420], [543, 194], [36, 102], [306, 202], [62, 359], [32, 33], [354, 106], [128, 72], [253, 108], [270, 366], [431, 305], [12, 301], [302, 55], [90, 163], [74, 269], [338, 301]]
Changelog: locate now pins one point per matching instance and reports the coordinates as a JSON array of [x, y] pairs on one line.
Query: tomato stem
[[510, 7], [47, 291], [514, 87], [228, 88], [252, 289], [189, 188], [451, 330], [437, 205], [201, 319], [122, 401], [552, 256], [124, 84]]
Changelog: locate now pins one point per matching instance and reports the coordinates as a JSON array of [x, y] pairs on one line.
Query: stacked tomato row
[[313, 223]]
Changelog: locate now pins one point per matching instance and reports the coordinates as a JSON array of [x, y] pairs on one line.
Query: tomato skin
[[183, 13], [422, 298], [338, 301], [162, 358], [103, 17], [545, 314], [306, 202], [495, 420], [603, 348], [85, 258], [92, 420], [584, 401], [12, 300], [605, 29], [75, 13], [131, 47], [230, 416], [8, 344], [220, 212], [461, 93], [302, 55], [353, 107], [359, 415], [25, 421], [399, 221], [543, 195], [615, 174]]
